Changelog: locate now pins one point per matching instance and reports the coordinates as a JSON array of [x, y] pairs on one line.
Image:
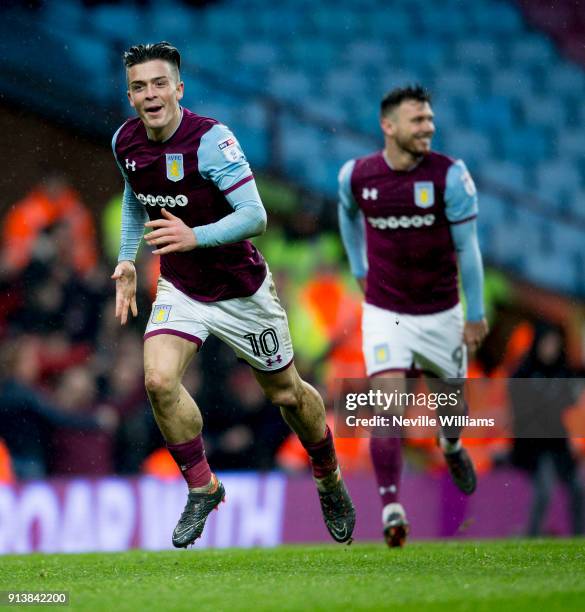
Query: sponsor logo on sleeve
[[424, 194], [175, 168], [230, 149]]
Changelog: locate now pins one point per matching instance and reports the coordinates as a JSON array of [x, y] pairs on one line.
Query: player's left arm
[[352, 226], [222, 161], [461, 210]]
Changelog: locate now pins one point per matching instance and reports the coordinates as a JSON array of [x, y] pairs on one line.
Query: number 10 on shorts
[[265, 343]]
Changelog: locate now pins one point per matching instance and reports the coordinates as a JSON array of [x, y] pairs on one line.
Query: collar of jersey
[[414, 166]]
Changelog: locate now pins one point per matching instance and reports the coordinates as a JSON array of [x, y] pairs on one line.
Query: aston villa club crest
[[175, 169], [160, 313], [424, 194]]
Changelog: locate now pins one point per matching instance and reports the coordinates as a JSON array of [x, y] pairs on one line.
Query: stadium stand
[[301, 88]]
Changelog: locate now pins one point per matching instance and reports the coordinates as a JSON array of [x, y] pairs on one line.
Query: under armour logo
[[270, 362], [130, 165], [369, 194], [390, 489]]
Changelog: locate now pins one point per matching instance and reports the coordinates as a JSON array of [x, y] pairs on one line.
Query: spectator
[[74, 451], [26, 417], [538, 406], [50, 202]]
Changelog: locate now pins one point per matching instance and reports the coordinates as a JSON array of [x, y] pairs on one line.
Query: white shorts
[[255, 327], [432, 343]]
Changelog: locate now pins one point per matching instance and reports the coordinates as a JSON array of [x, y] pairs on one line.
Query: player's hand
[[125, 277], [474, 333], [170, 235]]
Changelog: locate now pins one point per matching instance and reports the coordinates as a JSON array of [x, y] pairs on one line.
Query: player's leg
[[257, 329], [302, 408], [165, 360], [386, 454], [442, 353], [173, 335], [386, 340]]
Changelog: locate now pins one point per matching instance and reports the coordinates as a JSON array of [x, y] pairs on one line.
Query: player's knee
[[284, 397], [159, 384]]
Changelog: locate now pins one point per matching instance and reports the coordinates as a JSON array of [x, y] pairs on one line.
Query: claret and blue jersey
[[406, 231], [202, 176]]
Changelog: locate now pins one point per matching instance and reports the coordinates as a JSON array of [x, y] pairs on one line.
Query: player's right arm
[[351, 225], [132, 229]]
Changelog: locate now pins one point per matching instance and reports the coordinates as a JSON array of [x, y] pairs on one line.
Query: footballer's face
[[411, 126], [154, 91]]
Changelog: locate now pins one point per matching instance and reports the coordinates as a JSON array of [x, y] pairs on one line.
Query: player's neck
[[165, 132], [400, 160]]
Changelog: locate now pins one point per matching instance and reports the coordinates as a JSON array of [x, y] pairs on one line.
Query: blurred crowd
[[72, 398]]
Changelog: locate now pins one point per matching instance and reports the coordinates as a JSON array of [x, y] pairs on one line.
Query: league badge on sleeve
[[175, 169], [231, 149], [424, 194]]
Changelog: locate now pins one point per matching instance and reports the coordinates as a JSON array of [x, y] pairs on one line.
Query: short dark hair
[[396, 96], [139, 54]]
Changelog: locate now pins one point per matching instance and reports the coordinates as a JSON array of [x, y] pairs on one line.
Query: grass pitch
[[501, 575]]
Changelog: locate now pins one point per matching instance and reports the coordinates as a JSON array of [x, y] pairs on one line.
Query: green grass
[[495, 575]]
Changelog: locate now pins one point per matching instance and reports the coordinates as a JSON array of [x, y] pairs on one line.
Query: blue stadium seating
[[505, 100]]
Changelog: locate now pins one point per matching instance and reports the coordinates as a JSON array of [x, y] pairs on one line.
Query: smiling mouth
[[153, 110]]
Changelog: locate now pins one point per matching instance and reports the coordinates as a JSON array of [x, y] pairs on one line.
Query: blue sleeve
[[460, 194], [351, 224], [222, 161], [470, 267], [133, 217]]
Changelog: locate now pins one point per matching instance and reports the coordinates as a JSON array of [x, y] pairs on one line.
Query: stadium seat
[[68, 15], [508, 174], [472, 147], [457, 83], [513, 83], [178, 19], [489, 112], [493, 210], [477, 52], [429, 53], [551, 271], [567, 240], [576, 203], [294, 86], [367, 52], [550, 112], [118, 23], [557, 181], [259, 53], [565, 78], [528, 145], [531, 49]]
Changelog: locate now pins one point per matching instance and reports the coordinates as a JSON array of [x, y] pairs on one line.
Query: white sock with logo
[[394, 508]]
